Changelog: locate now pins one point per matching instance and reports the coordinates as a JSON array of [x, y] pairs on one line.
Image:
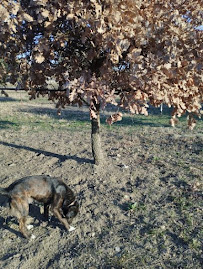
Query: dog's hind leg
[[20, 209], [22, 227]]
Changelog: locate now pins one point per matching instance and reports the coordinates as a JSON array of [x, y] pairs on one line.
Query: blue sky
[[200, 27]]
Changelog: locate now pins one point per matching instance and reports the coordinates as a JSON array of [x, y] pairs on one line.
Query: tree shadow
[[177, 240], [8, 99], [143, 121], [61, 158], [5, 124], [82, 115], [69, 114]]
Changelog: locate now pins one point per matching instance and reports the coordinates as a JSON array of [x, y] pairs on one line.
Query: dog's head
[[71, 211]]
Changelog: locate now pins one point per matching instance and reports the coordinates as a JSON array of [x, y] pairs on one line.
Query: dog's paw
[[71, 229]]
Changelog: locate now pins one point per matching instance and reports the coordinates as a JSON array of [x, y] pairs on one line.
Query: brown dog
[[52, 192]]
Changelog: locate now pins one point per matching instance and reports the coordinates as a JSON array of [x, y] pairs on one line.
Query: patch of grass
[[195, 244], [136, 207], [186, 223], [156, 158], [126, 260], [37, 122], [6, 124], [77, 119], [182, 202]]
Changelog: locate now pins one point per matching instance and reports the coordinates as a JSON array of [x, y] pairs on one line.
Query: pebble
[[33, 237], [71, 229], [29, 227], [126, 197], [11, 164]]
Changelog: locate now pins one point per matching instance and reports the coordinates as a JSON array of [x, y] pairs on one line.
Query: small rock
[[44, 224], [11, 164], [33, 237], [71, 229], [18, 255], [96, 211], [163, 227], [127, 197], [88, 215], [125, 166], [29, 227], [117, 249]]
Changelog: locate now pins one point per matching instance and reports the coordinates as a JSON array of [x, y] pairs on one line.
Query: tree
[[138, 51]]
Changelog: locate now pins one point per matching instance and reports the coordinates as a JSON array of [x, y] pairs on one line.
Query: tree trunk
[[96, 141]]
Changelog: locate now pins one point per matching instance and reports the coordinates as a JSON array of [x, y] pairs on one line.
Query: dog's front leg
[[46, 212], [61, 219], [46, 215], [56, 206]]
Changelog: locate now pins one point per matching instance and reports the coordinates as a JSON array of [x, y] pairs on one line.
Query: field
[[142, 209]]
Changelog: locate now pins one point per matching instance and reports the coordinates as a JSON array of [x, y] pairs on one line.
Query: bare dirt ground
[[142, 209]]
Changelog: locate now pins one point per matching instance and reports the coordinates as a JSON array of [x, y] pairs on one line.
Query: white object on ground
[[33, 237], [125, 166], [71, 229], [29, 227]]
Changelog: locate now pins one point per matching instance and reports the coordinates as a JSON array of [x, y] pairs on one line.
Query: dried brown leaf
[[114, 118], [27, 17], [39, 58]]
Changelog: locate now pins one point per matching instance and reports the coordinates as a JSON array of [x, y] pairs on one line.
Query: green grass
[[154, 120], [46, 118], [38, 122], [48, 122], [136, 207]]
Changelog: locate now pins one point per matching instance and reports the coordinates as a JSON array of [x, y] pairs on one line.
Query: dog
[[50, 191]]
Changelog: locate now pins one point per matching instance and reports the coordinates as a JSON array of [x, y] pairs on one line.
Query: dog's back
[[41, 188]]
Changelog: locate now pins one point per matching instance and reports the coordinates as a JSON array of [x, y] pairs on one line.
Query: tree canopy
[[142, 51]]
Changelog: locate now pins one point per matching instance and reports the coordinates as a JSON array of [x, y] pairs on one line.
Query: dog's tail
[[4, 192]]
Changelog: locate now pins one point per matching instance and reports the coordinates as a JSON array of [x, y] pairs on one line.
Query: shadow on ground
[[4, 124], [83, 116], [8, 99], [34, 213], [61, 158]]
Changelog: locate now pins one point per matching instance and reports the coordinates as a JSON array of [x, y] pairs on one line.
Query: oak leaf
[[114, 118], [27, 17], [39, 58]]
